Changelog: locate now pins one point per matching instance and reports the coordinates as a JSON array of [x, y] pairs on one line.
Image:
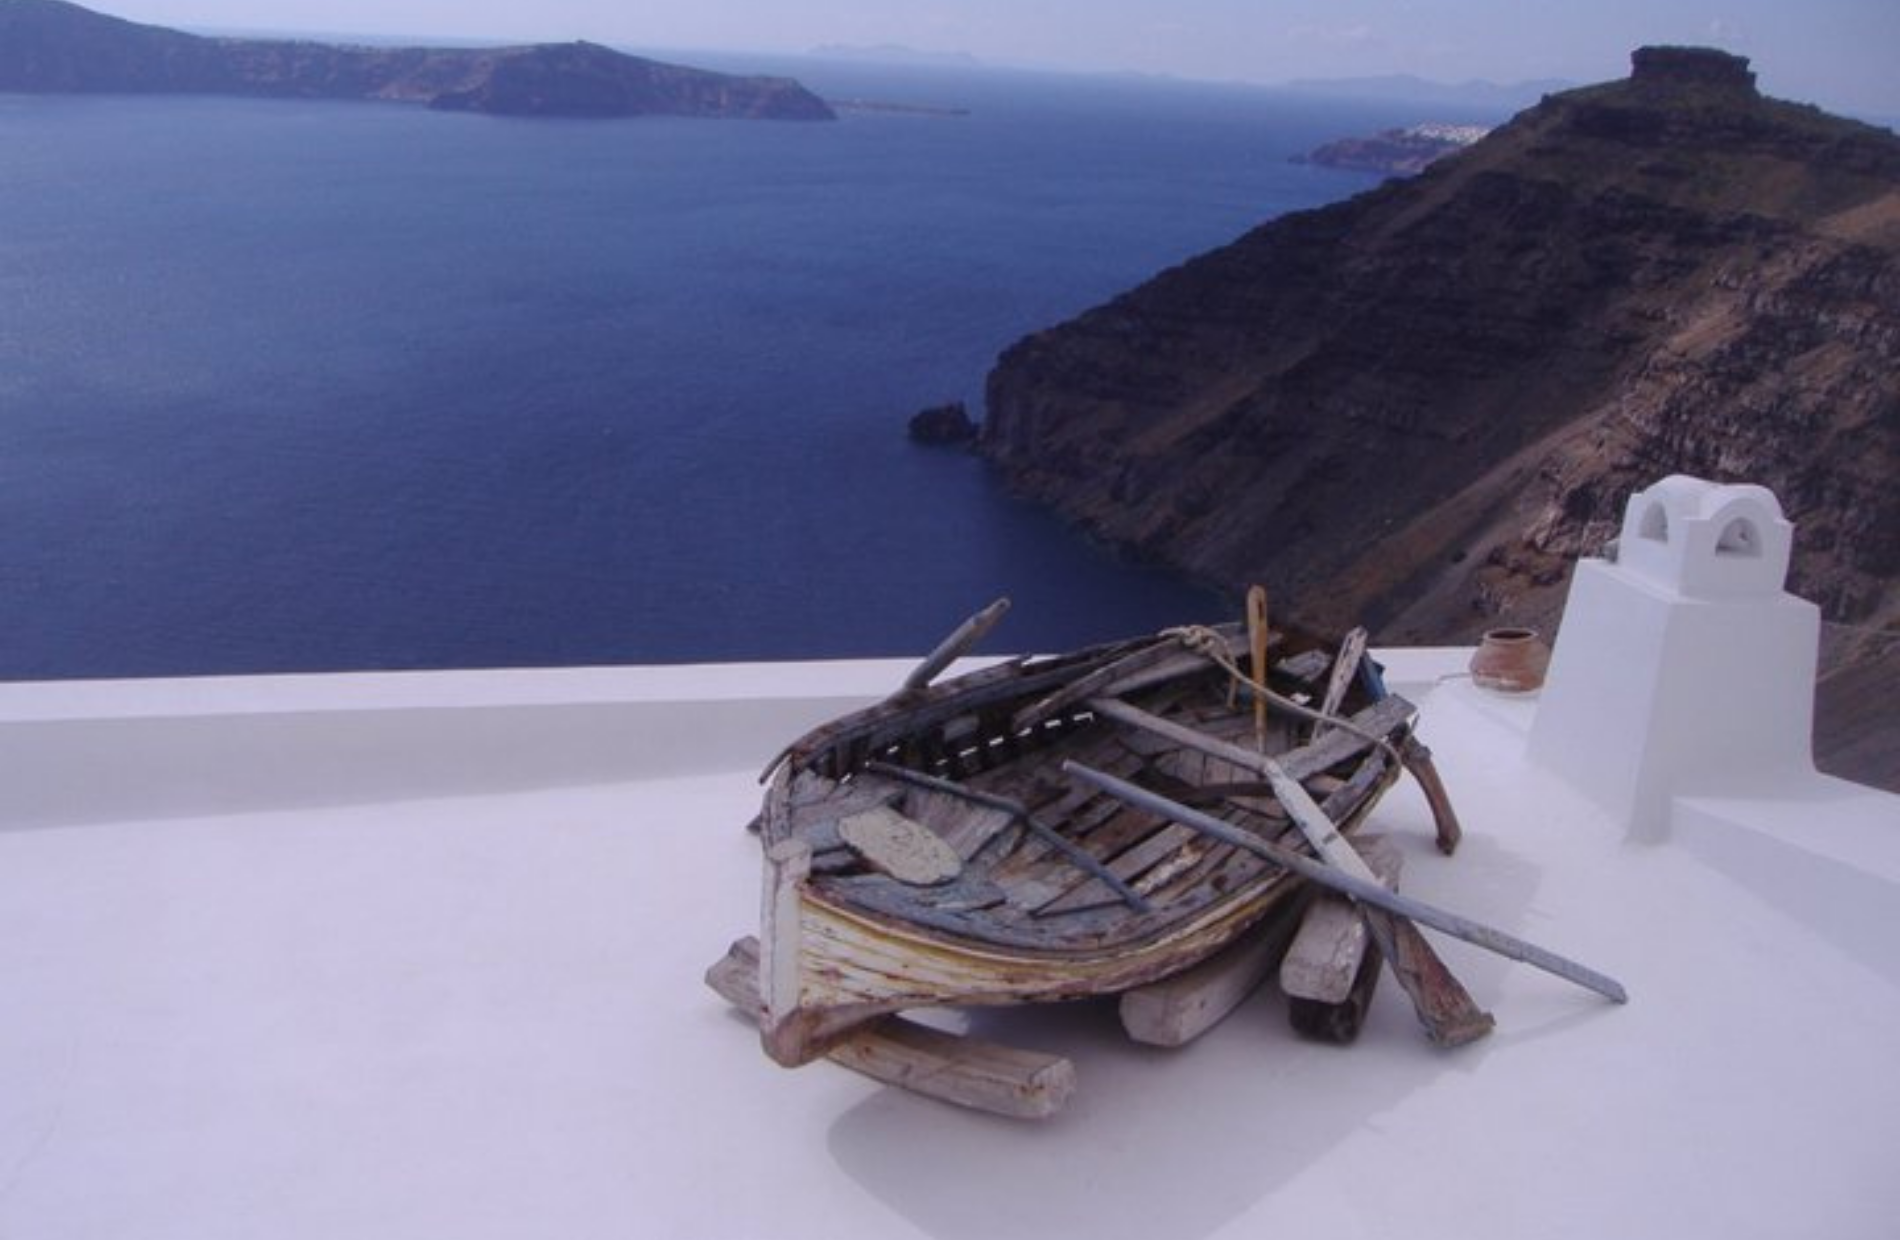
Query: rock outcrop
[[1418, 406], [48, 46], [943, 425]]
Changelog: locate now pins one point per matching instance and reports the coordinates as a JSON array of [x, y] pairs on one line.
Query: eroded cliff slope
[[1418, 406]]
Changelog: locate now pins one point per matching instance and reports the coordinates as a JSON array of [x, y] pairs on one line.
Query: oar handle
[[1372, 893]]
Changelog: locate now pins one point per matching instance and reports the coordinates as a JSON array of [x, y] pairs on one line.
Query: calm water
[[294, 386]]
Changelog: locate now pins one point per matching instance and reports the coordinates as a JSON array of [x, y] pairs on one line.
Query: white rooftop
[[421, 955]]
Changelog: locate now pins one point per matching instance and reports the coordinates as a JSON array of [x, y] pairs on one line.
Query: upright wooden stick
[[1257, 635]]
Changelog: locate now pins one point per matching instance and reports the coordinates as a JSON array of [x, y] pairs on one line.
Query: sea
[[300, 386]]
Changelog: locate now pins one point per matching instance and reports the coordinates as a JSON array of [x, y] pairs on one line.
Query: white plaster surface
[[392, 1008]]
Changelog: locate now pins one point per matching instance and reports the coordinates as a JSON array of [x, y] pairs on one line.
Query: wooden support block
[[1339, 1022], [1326, 954], [1178, 1009], [965, 1071]]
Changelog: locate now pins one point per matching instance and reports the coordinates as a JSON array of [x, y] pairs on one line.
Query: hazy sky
[[1839, 53]]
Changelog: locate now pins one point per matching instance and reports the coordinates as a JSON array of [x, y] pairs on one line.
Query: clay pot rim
[[1510, 636]]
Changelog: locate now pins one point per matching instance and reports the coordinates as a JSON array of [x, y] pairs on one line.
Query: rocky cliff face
[[51, 46], [1417, 407]]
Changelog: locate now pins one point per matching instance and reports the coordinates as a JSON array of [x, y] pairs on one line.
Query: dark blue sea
[[315, 386]]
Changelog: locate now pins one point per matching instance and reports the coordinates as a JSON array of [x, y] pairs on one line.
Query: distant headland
[[1396, 152], [52, 47]]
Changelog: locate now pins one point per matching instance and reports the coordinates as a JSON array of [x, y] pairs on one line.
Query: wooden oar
[[1372, 893], [1450, 1015]]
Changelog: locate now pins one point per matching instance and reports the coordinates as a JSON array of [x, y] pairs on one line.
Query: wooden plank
[[1176, 1010], [1340, 1022], [787, 865], [1048, 834], [1325, 955], [1345, 669], [960, 642], [964, 1071], [966, 828]]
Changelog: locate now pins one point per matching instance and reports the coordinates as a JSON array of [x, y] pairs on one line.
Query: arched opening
[[1739, 537], [1655, 523]]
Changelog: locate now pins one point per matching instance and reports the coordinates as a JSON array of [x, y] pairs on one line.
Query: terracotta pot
[[1510, 661]]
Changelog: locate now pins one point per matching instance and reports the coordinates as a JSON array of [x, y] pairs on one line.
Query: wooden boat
[[930, 850]]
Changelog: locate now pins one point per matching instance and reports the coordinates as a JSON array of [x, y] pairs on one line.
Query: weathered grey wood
[[1450, 1015], [901, 847], [1332, 940], [1049, 835], [787, 865], [966, 828], [1335, 747], [1176, 1010], [1306, 666], [968, 1072], [1330, 877], [1345, 668], [1340, 1022], [1142, 669], [960, 642]]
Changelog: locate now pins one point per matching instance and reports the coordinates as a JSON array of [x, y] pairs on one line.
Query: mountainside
[[1418, 406], [48, 46]]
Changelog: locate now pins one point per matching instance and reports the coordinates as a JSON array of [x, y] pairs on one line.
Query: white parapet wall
[[98, 751], [1684, 667]]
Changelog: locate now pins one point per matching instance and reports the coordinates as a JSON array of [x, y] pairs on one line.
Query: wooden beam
[[1176, 1010], [964, 1071], [1324, 957]]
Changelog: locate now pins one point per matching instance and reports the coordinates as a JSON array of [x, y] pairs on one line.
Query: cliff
[[1417, 407], [47, 46]]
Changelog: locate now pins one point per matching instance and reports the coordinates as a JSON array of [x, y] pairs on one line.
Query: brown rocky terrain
[[1418, 407], [49, 46]]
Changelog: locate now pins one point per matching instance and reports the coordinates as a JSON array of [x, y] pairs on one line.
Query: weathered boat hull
[[1056, 894]]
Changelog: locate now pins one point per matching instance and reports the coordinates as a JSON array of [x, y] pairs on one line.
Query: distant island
[[52, 47], [1396, 152]]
